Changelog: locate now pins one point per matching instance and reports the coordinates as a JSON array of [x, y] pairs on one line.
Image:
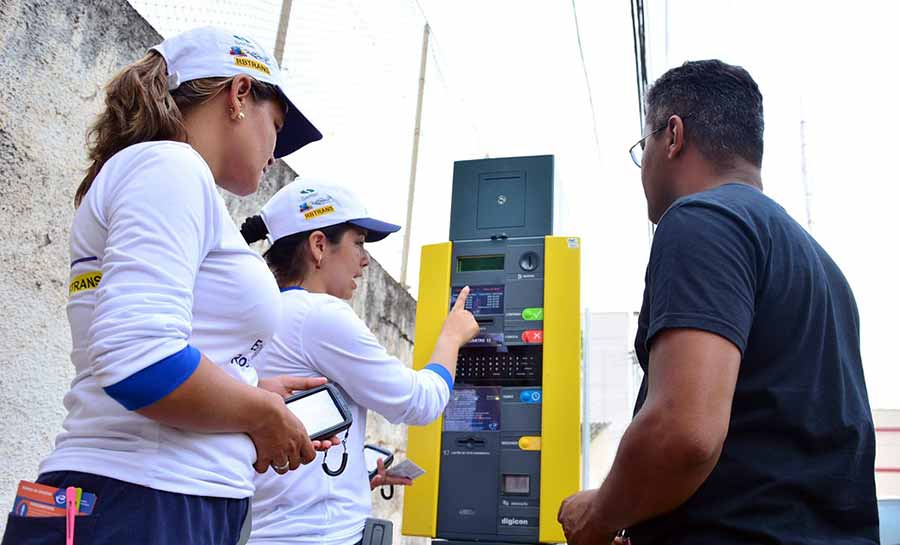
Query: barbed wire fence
[[258, 18]]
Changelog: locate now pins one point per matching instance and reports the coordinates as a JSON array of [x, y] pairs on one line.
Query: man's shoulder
[[731, 196], [740, 205]]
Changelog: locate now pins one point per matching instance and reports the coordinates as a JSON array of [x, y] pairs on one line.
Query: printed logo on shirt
[[318, 212], [251, 63], [244, 361], [84, 282]]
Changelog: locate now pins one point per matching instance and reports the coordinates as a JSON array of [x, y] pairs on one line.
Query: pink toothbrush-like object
[[71, 510]]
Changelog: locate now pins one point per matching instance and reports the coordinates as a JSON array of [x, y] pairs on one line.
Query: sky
[[505, 78]]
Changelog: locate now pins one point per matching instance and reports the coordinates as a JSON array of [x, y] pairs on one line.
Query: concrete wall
[[57, 55]]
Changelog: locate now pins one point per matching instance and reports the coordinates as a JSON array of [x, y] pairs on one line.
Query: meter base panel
[[490, 465]]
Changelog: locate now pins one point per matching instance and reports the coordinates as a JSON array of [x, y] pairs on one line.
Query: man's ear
[[674, 136]]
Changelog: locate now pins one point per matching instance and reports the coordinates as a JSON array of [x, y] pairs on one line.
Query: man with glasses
[[752, 424]]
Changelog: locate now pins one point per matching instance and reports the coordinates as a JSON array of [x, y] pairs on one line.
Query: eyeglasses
[[637, 150]]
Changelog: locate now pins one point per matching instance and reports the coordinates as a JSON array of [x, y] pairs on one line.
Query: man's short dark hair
[[723, 105]]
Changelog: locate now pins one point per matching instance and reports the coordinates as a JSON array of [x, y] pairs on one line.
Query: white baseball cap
[[303, 206], [210, 52]]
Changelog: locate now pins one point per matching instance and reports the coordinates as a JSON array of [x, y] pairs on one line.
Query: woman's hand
[[383, 479], [281, 441], [280, 438], [458, 329], [285, 385], [460, 325]]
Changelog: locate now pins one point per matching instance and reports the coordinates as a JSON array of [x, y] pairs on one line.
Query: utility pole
[[806, 190], [281, 37], [415, 158]]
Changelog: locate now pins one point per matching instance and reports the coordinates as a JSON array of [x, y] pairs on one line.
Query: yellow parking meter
[[506, 451]]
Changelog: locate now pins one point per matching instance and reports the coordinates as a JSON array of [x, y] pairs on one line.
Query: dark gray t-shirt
[[797, 466]]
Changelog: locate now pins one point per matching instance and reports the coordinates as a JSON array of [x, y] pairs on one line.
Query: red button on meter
[[533, 336]]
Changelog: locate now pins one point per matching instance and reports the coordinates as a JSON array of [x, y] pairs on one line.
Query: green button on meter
[[533, 313]]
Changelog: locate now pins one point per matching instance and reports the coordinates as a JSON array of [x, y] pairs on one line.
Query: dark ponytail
[[254, 229], [287, 258]]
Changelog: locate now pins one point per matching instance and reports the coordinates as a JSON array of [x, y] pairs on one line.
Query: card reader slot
[[470, 442]]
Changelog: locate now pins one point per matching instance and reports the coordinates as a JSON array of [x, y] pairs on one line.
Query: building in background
[[887, 452], [614, 378]]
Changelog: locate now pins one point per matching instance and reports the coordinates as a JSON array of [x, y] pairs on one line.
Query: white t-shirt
[[320, 335], [157, 264]]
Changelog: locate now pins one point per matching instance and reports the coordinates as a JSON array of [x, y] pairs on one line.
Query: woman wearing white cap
[[169, 307], [317, 253]]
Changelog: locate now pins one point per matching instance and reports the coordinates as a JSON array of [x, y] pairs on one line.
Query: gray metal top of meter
[[502, 198]]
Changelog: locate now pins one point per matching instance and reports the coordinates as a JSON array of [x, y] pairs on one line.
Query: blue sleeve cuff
[[155, 382], [442, 372]]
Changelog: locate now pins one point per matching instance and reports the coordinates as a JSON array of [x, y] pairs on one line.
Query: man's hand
[[578, 522]]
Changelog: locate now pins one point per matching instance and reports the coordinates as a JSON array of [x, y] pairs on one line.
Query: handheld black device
[[372, 454], [322, 410]]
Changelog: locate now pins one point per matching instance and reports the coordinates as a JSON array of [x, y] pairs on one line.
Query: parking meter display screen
[[483, 300], [474, 263]]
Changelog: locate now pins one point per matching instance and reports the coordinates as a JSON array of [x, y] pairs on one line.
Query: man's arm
[[673, 443]]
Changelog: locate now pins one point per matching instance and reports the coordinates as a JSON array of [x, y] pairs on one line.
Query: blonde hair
[[140, 108]]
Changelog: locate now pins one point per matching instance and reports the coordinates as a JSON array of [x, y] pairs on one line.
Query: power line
[[587, 81], [640, 55], [640, 72]]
